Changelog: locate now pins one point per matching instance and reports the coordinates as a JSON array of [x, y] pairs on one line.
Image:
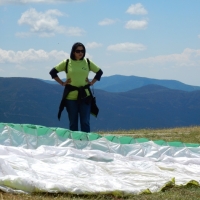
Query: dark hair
[[74, 47]]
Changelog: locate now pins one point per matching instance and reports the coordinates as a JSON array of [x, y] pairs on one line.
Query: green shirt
[[78, 71]]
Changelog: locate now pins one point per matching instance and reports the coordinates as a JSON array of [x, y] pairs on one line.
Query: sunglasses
[[79, 51]]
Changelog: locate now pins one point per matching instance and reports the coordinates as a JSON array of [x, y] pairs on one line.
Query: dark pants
[[75, 110]]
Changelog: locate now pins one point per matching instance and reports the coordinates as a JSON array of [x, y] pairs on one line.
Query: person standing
[[77, 96]]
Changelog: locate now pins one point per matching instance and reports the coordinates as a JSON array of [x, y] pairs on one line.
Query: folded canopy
[[43, 159]]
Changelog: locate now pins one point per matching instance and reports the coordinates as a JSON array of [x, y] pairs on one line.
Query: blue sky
[[155, 39]]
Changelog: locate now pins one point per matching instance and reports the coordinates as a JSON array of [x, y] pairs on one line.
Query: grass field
[[189, 192]]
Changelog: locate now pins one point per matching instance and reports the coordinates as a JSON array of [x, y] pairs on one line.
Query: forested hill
[[32, 101]]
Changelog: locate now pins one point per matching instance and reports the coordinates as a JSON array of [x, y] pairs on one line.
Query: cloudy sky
[[156, 39]]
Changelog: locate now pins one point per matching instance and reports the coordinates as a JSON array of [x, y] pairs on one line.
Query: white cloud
[[126, 47], [106, 22], [183, 67], [40, 22], [46, 24], [198, 36], [36, 1], [137, 9], [136, 24], [189, 57], [30, 55], [93, 45]]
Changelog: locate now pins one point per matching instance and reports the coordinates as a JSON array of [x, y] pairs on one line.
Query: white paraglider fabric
[[90, 167]]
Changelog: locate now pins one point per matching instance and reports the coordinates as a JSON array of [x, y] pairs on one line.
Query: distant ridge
[[120, 83]]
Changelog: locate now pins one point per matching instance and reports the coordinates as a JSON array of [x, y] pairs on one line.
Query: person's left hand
[[91, 82], [88, 81]]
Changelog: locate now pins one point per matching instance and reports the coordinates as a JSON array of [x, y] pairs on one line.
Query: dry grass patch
[[183, 134]]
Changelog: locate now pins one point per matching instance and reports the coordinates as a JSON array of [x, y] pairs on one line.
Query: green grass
[[191, 192]]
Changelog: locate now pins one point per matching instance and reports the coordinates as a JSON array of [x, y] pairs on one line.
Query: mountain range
[[34, 101], [120, 83]]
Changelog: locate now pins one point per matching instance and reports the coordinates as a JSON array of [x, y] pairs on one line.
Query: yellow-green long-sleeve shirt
[[78, 71]]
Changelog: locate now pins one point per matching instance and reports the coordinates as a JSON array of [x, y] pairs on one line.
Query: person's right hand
[[68, 81]]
